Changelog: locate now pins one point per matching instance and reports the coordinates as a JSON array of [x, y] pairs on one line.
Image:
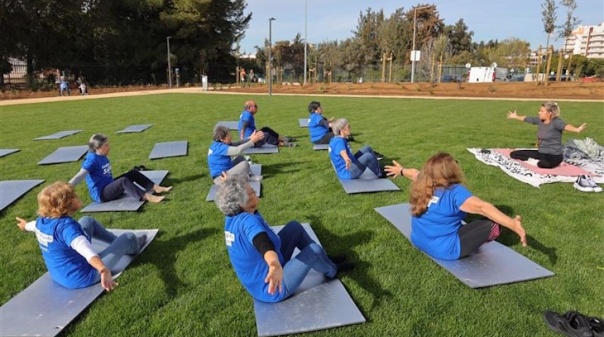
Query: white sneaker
[[585, 184], [255, 178], [592, 184]]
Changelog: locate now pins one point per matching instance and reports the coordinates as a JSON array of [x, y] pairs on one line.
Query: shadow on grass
[[168, 251], [359, 275], [282, 167], [173, 181]]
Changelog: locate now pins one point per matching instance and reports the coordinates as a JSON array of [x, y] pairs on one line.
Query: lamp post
[[413, 52], [169, 66], [270, 61], [305, 37]]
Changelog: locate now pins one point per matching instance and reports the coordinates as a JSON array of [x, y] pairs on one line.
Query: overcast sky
[[329, 20]]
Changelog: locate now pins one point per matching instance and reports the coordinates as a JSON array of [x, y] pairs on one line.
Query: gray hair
[[231, 195], [552, 107], [96, 141], [220, 132], [338, 125]]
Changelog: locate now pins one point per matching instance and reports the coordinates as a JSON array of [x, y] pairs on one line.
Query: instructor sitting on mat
[[223, 148], [439, 204], [247, 126], [262, 259], [65, 243], [347, 165], [549, 135], [101, 185]]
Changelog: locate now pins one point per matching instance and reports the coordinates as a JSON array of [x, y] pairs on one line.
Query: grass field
[[183, 285]]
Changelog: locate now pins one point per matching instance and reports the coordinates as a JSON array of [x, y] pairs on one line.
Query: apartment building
[[587, 41]]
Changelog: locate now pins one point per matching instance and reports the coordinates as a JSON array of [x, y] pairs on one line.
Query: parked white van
[[487, 74]]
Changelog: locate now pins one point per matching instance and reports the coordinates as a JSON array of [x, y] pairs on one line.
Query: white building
[[587, 41]]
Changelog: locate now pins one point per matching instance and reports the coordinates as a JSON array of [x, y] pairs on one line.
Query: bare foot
[[161, 189], [153, 198]]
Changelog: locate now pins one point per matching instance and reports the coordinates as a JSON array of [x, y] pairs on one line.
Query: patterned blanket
[[535, 176]]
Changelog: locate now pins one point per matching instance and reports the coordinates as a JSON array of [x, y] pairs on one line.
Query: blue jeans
[[363, 159], [311, 256], [118, 245]]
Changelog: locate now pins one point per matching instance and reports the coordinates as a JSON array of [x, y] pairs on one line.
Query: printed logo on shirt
[[229, 237], [434, 200], [43, 239], [107, 169], [210, 152]]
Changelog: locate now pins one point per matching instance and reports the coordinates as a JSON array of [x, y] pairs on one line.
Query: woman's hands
[[107, 281], [257, 136], [274, 277], [21, 223], [397, 169], [519, 229], [512, 115]]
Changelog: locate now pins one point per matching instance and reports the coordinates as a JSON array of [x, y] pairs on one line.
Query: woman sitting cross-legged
[[222, 151], [262, 259], [96, 168], [439, 204], [347, 165], [66, 244]]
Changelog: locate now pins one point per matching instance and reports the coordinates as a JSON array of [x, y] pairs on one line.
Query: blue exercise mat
[[492, 264], [318, 304], [65, 154], [320, 147], [11, 190], [169, 149], [303, 122], [367, 183], [59, 135], [126, 203], [135, 128], [46, 308], [264, 149], [233, 125], [6, 152]]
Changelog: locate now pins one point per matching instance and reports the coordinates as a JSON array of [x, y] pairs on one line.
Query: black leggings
[[546, 161], [270, 137], [125, 183], [325, 140], [474, 234]]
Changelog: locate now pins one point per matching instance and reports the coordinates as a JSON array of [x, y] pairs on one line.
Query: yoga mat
[[11, 190], [65, 154]]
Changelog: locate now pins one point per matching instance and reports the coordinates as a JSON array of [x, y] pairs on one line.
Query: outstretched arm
[[84, 248], [475, 205], [24, 225], [573, 128], [514, 115], [397, 170], [78, 177], [346, 159]]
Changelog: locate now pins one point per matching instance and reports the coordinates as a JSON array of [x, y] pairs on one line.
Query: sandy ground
[[501, 90]]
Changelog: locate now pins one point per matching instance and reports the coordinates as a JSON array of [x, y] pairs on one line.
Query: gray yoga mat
[[11, 190], [264, 149], [212, 194], [318, 304], [233, 125], [320, 147], [65, 154], [126, 203], [135, 128], [367, 183], [303, 122], [492, 264], [46, 308], [59, 135], [169, 149], [6, 152]]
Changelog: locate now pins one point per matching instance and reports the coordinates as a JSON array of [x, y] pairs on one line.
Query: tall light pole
[[413, 52], [305, 36], [169, 66], [270, 61]]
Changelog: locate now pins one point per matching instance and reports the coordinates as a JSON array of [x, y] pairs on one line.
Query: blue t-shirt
[[99, 174], [435, 231], [336, 145], [247, 117], [218, 160], [249, 265], [65, 265], [317, 131]]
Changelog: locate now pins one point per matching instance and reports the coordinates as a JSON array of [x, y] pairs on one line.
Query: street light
[[305, 36], [413, 52], [169, 66], [270, 61]]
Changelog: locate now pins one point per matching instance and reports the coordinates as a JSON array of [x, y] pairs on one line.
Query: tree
[[549, 18], [460, 39]]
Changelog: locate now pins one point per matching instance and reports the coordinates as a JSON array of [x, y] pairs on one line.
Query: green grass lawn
[[183, 284]]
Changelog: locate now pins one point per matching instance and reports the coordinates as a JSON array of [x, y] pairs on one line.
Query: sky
[[329, 20]]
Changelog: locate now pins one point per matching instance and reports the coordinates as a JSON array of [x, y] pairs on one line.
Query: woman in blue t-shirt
[[439, 204], [347, 165], [96, 168], [550, 126], [66, 244], [224, 155], [263, 259]]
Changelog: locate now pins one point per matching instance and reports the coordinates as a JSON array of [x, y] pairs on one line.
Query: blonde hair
[[440, 171], [552, 107], [56, 200]]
